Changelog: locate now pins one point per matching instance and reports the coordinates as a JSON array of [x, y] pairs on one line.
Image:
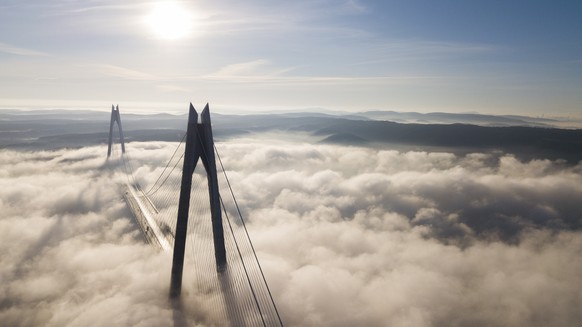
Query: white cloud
[[352, 236], [70, 253], [347, 236]]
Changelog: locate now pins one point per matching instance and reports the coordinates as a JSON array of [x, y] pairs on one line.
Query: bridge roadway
[[143, 216]]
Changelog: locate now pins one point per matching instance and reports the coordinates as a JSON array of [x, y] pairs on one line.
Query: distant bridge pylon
[[115, 118]]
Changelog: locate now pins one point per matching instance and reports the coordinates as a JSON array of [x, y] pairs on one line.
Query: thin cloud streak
[[261, 71], [14, 50], [325, 80], [250, 68], [125, 73]]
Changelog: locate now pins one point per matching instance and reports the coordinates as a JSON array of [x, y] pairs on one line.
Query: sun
[[170, 21]]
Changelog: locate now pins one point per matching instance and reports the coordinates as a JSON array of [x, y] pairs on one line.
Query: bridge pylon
[[115, 118], [199, 145]]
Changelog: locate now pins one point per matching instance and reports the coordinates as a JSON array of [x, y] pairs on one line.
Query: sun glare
[[170, 21]]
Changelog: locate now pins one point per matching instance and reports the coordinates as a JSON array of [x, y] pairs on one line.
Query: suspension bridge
[[184, 212]]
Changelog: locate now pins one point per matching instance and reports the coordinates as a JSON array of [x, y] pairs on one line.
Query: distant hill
[[55, 129], [458, 118]]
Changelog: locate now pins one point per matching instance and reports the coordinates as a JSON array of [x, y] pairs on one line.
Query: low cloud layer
[[70, 254], [347, 236], [355, 236]]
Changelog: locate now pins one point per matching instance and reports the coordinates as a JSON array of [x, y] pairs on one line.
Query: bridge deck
[[143, 216]]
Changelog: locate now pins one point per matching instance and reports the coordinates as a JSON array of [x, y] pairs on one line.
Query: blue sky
[[499, 57]]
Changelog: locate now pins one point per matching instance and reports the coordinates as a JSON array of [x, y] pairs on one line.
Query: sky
[[493, 57]]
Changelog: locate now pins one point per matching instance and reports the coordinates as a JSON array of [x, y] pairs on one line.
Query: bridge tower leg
[[115, 118], [199, 145]]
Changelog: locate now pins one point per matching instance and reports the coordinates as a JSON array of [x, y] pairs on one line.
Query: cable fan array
[[239, 296]]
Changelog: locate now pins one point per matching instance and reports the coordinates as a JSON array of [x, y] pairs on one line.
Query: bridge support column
[[199, 145], [115, 118]]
